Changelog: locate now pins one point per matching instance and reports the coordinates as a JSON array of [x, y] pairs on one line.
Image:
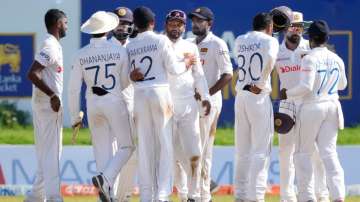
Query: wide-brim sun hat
[[100, 22]]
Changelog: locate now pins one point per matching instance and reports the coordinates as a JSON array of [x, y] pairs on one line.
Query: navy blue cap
[[124, 14], [203, 13], [143, 15], [319, 28]]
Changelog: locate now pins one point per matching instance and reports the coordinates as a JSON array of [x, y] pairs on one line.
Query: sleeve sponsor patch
[[44, 55]]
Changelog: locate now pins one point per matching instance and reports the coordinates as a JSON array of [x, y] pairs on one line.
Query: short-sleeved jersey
[[184, 85], [51, 57], [154, 55], [255, 56], [215, 59], [288, 63], [322, 75], [100, 64]]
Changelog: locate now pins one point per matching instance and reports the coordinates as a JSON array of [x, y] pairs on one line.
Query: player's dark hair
[[143, 17], [52, 16], [319, 39], [261, 21], [98, 35]]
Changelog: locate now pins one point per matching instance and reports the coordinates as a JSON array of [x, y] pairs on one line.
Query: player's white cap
[[100, 22], [297, 17]]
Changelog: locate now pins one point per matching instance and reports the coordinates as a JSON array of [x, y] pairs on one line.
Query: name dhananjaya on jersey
[[99, 58]]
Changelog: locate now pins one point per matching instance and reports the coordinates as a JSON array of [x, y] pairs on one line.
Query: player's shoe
[[103, 186], [214, 187], [339, 200], [191, 200]]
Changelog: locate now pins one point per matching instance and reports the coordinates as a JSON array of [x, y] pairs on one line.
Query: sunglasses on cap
[[298, 27], [176, 14]]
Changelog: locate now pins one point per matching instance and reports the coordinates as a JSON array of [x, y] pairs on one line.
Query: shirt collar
[[207, 38], [52, 38], [114, 40], [143, 34], [98, 41]]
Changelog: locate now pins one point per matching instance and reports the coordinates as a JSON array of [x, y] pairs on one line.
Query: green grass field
[[224, 136], [174, 199]]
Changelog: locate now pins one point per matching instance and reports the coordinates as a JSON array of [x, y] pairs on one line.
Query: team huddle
[[153, 102]]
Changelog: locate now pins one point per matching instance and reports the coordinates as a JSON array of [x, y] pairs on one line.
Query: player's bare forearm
[[34, 76], [220, 84]]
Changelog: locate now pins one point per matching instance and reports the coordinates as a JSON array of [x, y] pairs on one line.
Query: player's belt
[[99, 91], [248, 88]]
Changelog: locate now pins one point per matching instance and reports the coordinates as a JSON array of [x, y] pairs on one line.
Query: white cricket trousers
[[110, 134], [48, 144], [254, 131], [187, 147], [126, 179], [208, 126], [318, 126], [153, 113], [287, 168]]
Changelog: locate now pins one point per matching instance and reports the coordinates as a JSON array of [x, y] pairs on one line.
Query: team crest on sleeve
[[203, 50]]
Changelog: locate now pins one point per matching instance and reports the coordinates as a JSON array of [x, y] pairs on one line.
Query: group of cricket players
[[153, 102]]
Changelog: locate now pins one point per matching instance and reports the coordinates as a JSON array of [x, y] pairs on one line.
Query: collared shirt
[[215, 59], [184, 85], [288, 63], [155, 56], [255, 55], [117, 42], [322, 75], [101, 64], [51, 57]]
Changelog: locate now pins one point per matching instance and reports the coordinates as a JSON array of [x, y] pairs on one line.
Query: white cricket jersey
[[154, 55], [322, 75], [101, 64], [129, 91], [255, 56], [288, 63], [51, 57], [215, 59], [117, 42], [183, 85]]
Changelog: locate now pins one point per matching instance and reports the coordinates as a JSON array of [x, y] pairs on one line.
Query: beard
[[121, 36], [173, 34], [294, 38], [198, 32], [62, 33]]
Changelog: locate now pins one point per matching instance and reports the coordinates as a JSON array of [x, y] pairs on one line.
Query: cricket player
[[186, 133], [121, 34], [322, 75], [288, 67], [103, 67], [152, 58], [256, 53], [46, 74], [214, 55]]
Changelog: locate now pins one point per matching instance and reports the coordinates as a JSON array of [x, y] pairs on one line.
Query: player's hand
[[283, 95], [206, 104], [197, 95], [254, 89], [136, 75], [77, 123], [189, 59], [55, 103]]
